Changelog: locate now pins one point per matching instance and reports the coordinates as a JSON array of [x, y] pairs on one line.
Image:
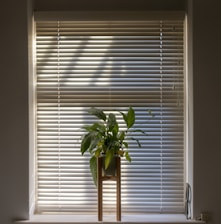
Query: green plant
[[105, 137]]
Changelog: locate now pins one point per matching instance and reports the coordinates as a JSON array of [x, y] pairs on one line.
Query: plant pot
[[112, 168]]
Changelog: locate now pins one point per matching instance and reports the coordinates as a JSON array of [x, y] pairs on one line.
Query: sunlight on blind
[[111, 65]]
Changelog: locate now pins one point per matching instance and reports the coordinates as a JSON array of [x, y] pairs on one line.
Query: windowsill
[[92, 219]]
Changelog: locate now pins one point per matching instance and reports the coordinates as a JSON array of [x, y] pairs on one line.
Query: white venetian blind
[[110, 65]]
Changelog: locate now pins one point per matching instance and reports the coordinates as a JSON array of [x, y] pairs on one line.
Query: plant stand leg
[[118, 180], [100, 190], [100, 180]]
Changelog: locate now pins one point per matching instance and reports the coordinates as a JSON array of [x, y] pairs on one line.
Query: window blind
[[110, 65]]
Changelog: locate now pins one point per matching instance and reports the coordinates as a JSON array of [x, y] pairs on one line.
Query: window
[[110, 64]]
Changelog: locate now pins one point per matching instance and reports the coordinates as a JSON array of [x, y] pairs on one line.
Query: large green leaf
[[98, 113], [94, 142], [97, 152], [108, 158], [86, 142], [130, 117], [127, 156], [122, 135], [125, 144], [115, 130], [111, 122], [124, 116], [93, 168], [96, 127], [90, 141]]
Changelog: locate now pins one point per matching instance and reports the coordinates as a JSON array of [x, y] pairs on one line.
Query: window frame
[[117, 16]]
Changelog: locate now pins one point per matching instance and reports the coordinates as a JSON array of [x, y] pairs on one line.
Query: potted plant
[[105, 137]]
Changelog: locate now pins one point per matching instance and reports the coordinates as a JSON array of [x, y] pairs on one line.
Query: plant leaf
[[138, 130], [95, 127], [108, 158], [93, 168], [97, 152], [115, 130], [111, 122], [149, 111], [121, 152], [122, 135], [130, 117], [98, 113], [138, 142], [85, 143], [94, 142], [127, 156], [125, 144]]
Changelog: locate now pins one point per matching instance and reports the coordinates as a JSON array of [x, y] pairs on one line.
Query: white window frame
[[118, 15]]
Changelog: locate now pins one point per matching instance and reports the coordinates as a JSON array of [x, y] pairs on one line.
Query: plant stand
[[100, 179]]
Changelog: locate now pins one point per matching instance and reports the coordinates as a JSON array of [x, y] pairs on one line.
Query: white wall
[[14, 165]]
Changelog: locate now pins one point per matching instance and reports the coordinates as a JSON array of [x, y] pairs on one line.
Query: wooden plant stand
[[100, 179]]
